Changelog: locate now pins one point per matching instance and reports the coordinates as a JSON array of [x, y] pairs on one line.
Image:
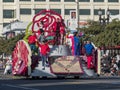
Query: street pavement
[[60, 84], [9, 82]]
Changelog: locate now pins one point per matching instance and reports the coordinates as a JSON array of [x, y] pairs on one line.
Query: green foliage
[[103, 35], [28, 32], [7, 45]]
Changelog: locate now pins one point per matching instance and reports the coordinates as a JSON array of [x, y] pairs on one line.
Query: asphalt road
[[10, 82], [60, 84]]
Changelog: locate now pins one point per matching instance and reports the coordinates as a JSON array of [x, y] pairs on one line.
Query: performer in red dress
[[56, 29], [32, 42], [62, 32], [44, 51]]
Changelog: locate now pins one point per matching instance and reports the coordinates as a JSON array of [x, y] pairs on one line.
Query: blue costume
[[89, 48], [76, 45], [89, 54]]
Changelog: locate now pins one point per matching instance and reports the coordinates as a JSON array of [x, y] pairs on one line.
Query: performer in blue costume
[[89, 50], [76, 44]]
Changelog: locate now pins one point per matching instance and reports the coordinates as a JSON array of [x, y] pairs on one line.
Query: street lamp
[[104, 19], [108, 15], [78, 18]]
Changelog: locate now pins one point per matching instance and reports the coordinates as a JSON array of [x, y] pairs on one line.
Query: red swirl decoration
[[47, 16]]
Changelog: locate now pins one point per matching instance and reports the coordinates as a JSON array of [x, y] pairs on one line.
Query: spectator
[[114, 67], [118, 61], [8, 67], [105, 64], [1, 65]]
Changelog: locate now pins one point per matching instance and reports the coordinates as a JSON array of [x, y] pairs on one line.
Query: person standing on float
[[72, 40], [76, 44], [44, 51], [89, 50], [62, 32], [56, 29]]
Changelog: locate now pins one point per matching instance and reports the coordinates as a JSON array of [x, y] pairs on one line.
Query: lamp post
[[78, 18], [103, 19], [108, 15]]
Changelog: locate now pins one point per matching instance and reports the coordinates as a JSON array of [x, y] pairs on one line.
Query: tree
[[7, 45], [103, 35]]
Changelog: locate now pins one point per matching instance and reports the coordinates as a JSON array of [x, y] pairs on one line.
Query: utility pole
[[78, 18]]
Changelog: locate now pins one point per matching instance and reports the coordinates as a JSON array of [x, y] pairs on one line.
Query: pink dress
[[72, 47]]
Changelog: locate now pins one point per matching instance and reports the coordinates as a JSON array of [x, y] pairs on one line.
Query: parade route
[[20, 83], [60, 84]]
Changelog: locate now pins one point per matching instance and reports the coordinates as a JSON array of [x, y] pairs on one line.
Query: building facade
[[24, 10]]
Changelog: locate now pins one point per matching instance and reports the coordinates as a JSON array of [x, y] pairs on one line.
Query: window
[[84, 0], [114, 12], [25, 11], [8, 13], [97, 10], [54, 0], [8, 0], [57, 10], [38, 10], [98, 0], [67, 11], [25, 0], [84, 11], [69, 0], [40, 0], [113, 0]]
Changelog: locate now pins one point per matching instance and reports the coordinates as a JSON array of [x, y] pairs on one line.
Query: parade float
[[60, 63]]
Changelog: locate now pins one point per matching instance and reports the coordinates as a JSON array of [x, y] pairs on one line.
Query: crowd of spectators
[[110, 65]]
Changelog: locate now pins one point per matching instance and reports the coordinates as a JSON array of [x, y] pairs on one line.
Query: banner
[[73, 20], [65, 65]]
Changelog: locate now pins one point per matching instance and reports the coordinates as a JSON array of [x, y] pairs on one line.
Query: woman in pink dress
[[72, 40]]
